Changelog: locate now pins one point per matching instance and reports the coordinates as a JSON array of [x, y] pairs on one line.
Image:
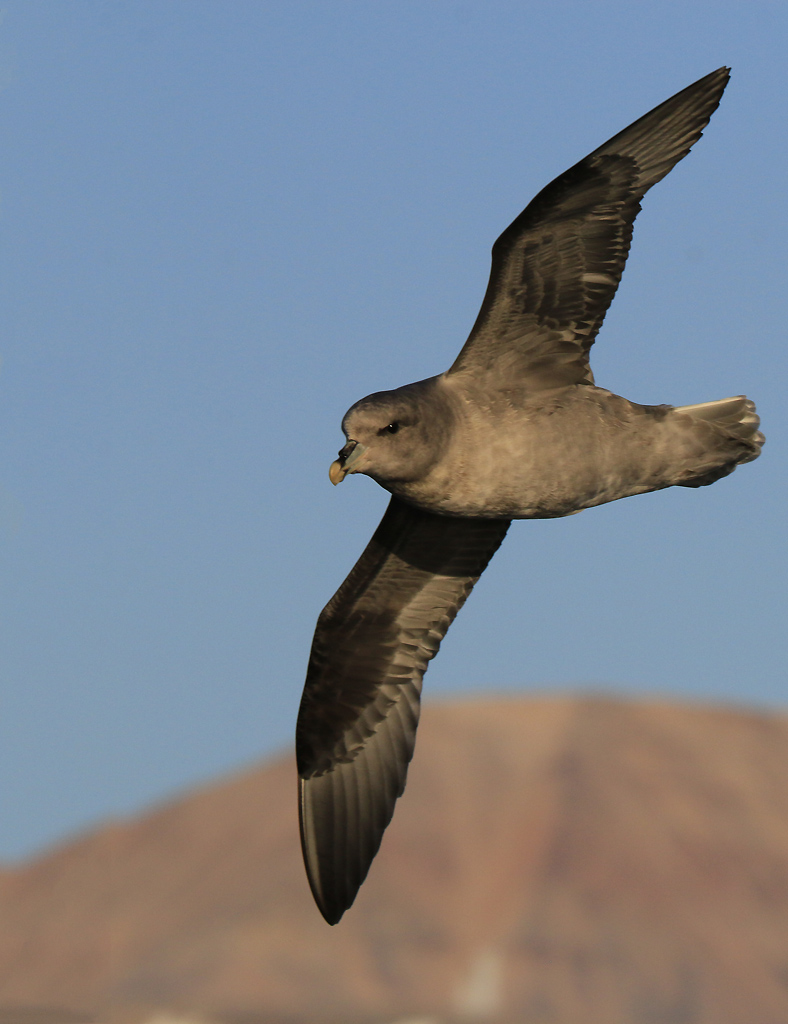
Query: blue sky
[[223, 223]]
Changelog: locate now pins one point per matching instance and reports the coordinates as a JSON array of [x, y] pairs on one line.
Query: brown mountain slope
[[552, 862]]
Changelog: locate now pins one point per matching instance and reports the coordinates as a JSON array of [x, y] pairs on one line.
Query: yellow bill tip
[[336, 472]]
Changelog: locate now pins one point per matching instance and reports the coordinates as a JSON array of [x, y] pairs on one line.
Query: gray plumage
[[515, 429]]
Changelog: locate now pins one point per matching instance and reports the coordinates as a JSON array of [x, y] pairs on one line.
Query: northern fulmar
[[514, 429]]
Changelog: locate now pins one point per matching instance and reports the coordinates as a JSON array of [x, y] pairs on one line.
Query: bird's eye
[[392, 428]]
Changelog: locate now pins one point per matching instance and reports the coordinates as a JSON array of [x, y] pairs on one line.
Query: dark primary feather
[[360, 708], [556, 268]]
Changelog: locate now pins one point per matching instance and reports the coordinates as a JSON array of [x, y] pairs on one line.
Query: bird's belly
[[516, 496]]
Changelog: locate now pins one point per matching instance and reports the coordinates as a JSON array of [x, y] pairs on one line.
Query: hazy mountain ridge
[[553, 860]]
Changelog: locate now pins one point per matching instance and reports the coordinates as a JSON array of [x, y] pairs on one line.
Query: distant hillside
[[554, 861]]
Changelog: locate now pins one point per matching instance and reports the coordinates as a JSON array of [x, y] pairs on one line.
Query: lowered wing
[[360, 708]]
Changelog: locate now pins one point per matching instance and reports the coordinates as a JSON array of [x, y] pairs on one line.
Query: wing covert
[[360, 708]]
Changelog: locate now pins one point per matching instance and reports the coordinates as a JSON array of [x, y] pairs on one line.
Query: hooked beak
[[340, 468]]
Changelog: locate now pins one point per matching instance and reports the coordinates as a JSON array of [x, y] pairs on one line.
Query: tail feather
[[733, 420]]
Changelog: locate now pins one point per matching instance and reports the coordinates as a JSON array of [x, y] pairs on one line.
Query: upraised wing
[[556, 268], [360, 708]]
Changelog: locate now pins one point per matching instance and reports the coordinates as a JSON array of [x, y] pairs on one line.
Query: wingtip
[[328, 917], [331, 915], [718, 74], [717, 81], [331, 910]]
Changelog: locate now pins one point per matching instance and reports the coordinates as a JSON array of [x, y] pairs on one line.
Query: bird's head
[[394, 436]]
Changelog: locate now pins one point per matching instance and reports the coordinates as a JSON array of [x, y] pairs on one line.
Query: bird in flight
[[514, 429]]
